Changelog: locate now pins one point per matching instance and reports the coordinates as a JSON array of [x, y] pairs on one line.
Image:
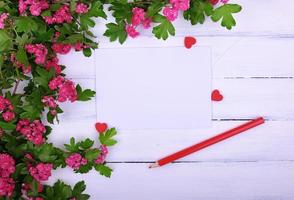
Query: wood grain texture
[[190, 181], [253, 68]]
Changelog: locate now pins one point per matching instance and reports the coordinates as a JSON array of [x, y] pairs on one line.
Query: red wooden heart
[[101, 127], [216, 95], [189, 42]]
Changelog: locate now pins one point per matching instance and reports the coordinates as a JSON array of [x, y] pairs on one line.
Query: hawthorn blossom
[[6, 186], [3, 17], [66, 89], [32, 131], [7, 165], [180, 4], [6, 108], [53, 63], [49, 101], [61, 48], [41, 172], [75, 161], [36, 6], [103, 154], [81, 8], [62, 15], [39, 50], [8, 116], [25, 69], [130, 29], [170, 13]]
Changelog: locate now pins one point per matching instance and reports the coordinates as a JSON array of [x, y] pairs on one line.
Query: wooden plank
[[190, 181], [231, 56], [262, 17], [272, 141], [243, 99]]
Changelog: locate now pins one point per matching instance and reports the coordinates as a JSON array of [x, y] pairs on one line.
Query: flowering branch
[[32, 35]]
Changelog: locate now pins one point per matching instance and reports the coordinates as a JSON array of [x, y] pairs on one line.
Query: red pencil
[[180, 154]]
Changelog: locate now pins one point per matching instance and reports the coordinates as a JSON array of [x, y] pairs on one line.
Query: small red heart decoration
[[189, 42], [216, 95], [101, 127]]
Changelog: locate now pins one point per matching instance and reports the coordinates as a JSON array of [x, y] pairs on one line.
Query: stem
[[15, 87]]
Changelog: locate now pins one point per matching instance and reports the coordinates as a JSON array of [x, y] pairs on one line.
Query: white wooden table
[[253, 66]]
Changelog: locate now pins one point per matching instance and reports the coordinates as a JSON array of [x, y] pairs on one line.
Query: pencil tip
[[153, 165]]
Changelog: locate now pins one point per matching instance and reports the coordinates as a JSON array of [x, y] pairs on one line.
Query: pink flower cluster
[[7, 167], [6, 108], [25, 69], [61, 48], [32, 131], [138, 17], [214, 2], [62, 15], [171, 13], [3, 17], [53, 63], [67, 90], [39, 50], [36, 6], [81, 8], [49, 101], [75, 161], [41, 172], [6, 186], [103, 154]]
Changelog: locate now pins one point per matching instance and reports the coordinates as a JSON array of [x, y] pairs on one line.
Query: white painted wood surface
[[253, 66]]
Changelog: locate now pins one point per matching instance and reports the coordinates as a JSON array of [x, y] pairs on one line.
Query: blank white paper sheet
[[154, 88]]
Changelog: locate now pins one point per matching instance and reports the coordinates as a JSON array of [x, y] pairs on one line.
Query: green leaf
[[85, 95], [62, 190], [116, 31], [121, 11], [25, 24], [7, 126], [103, 170], [87, 52], [224, 13], [5, 41], [86, 144], [107, 137], [92, 154], [72, 146], [155, 8], [22, 57], [197, 11], [79, 188], [45, 153], [164, 29]]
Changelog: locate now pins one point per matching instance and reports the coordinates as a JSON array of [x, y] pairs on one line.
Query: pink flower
[[37, 6], [32, 131], [39, 50], [49, 101], [138, 16], [67, 91], [62, 15], [75, 161], [4, 103], [180, 4], [6, 186], [146, 23], [22, 6], [130, 29], [3, 17], [61, 48], [41, 172], [79, 46], [53, 63], [81, 8], [7, 165], [170, 13], [56, 82], [103, 154], [8, 116]]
